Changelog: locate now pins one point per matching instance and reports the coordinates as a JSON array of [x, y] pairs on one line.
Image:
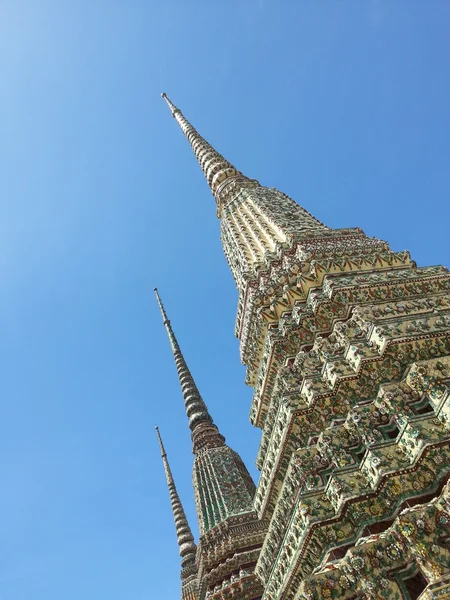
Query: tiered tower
[[231, 535], [347, 346]]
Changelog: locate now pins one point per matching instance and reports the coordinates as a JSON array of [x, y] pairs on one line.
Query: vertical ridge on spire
[[215, 167], [196, 409], [185, 538]]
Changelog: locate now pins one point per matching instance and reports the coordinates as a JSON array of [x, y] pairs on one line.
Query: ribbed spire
[[196, 409], [185, 538], [218, 171]]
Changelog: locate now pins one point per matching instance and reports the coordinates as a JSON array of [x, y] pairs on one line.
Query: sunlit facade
[[347, 348]]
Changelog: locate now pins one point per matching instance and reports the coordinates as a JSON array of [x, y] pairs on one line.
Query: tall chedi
[[347, 347], [188, 549], [231, 534]]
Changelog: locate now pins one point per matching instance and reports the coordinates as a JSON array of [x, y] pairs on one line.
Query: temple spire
[[185, 538], [218, 171], [196, 409]]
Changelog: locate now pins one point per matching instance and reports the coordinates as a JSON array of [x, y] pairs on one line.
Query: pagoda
[[231, 534], [347, 347]]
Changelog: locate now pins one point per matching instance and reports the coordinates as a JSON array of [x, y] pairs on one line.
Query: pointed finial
[[218, 171], [172, 339], [161, 445], [161, 308], [184, 534], [170, 104], [196, 409]]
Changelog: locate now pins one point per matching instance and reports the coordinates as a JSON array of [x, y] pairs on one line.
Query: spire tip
[[161, 307], [173, 109]]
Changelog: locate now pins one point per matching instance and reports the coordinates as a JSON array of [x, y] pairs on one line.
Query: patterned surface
[[347, 347]]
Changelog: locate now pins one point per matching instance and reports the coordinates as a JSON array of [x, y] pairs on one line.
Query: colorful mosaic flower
[[357, 563], [344, 582], [393, 551]]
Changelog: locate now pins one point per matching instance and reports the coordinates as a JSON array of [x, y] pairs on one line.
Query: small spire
[[196, 409], [215, 464], [217, 170], [185, 538]]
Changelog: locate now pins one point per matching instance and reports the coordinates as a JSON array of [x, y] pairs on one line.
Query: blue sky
[[342, 104]]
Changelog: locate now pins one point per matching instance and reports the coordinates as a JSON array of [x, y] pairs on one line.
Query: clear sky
[[342, 104]]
